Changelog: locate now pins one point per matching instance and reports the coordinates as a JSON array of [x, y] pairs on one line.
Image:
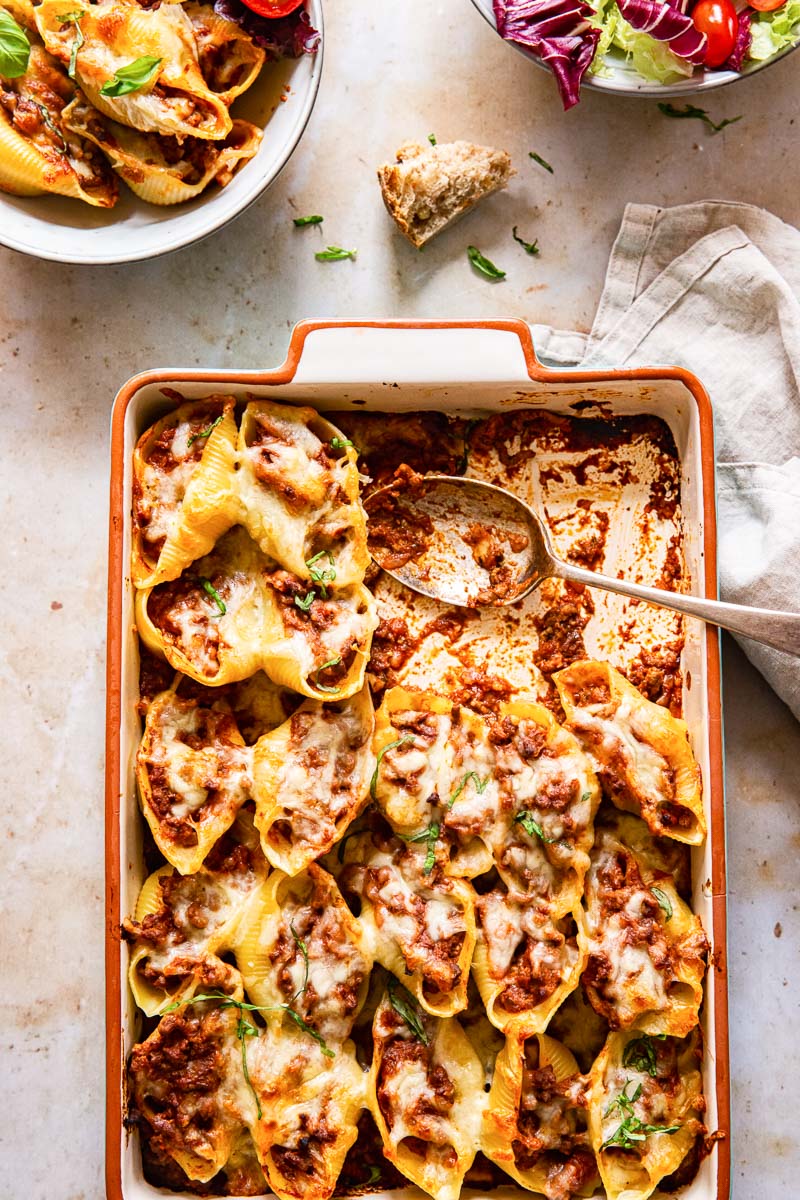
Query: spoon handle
[[781, 630]]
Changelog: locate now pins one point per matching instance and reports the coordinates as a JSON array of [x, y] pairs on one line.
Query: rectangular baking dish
[[401, 366]]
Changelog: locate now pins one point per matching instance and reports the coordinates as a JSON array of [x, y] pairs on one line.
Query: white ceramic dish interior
[[446, 369], [622, 79], [67, 230]]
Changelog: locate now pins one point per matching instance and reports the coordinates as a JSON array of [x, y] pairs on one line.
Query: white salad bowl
[[70, 231], [621, 77]]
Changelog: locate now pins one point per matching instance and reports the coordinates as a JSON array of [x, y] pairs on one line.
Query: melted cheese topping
[[192, 774], [162, 492]]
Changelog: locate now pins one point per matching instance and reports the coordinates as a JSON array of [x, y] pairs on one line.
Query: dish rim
[[285, 373], [190, 239]]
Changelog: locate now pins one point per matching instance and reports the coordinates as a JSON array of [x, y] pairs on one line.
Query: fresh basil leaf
[[316, 219], [132, 76], [640, 1054], [211, 591], [15, 49], [204, 433], [691, 112], [528, 247], [664, 902], [404, 1005], [373, 783], [541, 161], [484, 265], [532, 826], [324, 687], [334, 254]]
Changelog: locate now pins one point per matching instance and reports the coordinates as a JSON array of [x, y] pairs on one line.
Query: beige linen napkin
[[715, 287]]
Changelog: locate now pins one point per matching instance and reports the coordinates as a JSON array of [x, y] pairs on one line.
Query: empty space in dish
[[610, 506]]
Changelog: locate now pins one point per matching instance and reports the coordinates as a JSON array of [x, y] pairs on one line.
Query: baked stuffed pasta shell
[[646, 949], [304, 957], [298, 488], [38, 152], [229, 59], [426, 1094], [182, 923], [112, 35], [194, 774], [164, 169], [311, 779], [308, 1107], [419, 920], [231, 613], [413, 747], [535, 1125], [183, 468], [526, 961], [645, 1107], [639, 750], [187, 1084]]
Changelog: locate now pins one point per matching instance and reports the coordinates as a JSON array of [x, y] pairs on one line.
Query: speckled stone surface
[[70, 336]]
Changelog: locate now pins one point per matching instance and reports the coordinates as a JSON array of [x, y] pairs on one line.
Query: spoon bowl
[[476, 545]]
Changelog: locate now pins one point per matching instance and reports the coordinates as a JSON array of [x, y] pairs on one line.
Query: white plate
[[623, 79], [70, 231]]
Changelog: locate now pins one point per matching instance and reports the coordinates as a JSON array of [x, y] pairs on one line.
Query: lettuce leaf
[[281, 37], [774, 31], [652, 59]]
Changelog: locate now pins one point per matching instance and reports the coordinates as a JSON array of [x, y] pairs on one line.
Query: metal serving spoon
[[472, 544]]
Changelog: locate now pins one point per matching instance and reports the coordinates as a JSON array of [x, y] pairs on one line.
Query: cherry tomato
[[767, 5], [282, 8], [718, 21]]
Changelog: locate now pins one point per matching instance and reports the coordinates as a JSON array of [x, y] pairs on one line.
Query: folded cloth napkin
[[715, 287]]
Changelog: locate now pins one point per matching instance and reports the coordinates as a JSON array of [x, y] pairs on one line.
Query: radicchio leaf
[[558, 31], [281, 37], [744, 36], [666, 24]]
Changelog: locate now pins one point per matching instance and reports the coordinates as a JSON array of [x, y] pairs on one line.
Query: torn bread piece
[[429, 186]]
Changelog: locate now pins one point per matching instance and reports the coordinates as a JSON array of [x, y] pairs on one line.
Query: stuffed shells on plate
[[39, 153]]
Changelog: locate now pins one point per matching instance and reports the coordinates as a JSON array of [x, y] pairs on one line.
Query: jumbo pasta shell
[[229, 59], [183, 501], [175, 100]]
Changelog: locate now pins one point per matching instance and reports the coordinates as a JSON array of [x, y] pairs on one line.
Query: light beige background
[[70, 336]]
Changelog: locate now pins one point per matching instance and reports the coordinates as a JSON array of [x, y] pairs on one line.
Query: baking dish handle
[[412, 352]]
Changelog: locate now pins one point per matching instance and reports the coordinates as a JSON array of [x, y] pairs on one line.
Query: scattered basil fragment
[[405, 1006], [664, 902], [334, 254], [15, 49], [480, 786], [211, 591], [691, 112], [537, 158], [323, 687], [131, 77], [73, 18], [304, 603], [205, 432], [432, 138], [316, 219], [631, 1130], [322, 577], [373, 783], [640, 1054], [374, 1174], [429, 835], [339, 443], [48, 120], [484, 265], [528, 247], [531, 826]]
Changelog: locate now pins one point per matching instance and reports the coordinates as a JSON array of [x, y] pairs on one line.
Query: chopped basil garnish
[[405, 1006], [537, 158], [48, 120], [374, 1174], [131, 77], [73, 18], [640, 1054], [699, 114], [531, 826], [304, 603], [205, 432], [431, 836], [484, 265], [373, 783], [528, 247], [322, 577], [15, 49], [324, 687], [480, 786], [339, 443], [432, 138], [211, 591], [303, 948], [334, 254], [664, 902], [631, 1130], [316, 219], [312, 1033]]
